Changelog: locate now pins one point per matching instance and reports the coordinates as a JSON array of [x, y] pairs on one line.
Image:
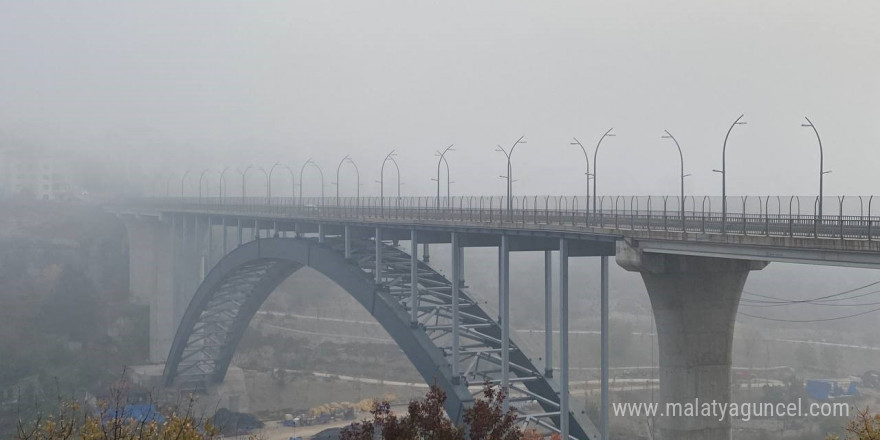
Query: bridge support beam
[[564, 423], [347, 239], [225, 238], [378, 269], [504, 299], [167, 258], [695, 300], [240, 237], [456, 292], [548, 314], [461, 282], [606, 395], [414, 279]]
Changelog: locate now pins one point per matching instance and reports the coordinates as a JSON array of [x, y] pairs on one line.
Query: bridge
[[208, 263]]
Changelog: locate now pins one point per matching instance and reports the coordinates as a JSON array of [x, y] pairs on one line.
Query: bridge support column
[[603, 282], [378, 256], [240, 238], [347, 239], [504, 299], [151, 266], [426, 255], [461, 266], [456, 288], [548, 314], [225, 238], [563, 340], [209, 262], [414, 278], [695, 300], [320, 233]]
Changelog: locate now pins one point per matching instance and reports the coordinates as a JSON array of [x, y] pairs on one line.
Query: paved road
[[274, 430]]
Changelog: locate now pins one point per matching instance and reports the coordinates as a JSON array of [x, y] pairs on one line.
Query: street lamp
[[442, 159], [357, 172], [168, 185], [595, 163], [723, 172], [201, 178], [223, 185], [588, 174], [292, 179], [388, 158], [182, 179], [244, 180], [509, 176], [822, 171], [302, 170], [683, 175]]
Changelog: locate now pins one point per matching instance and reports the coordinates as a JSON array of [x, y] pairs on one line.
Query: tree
[[426, 420], [117, 418], [864, 427], [112, 421], [487, 420]]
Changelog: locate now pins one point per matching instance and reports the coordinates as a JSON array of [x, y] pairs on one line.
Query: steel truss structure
[[446, 335]]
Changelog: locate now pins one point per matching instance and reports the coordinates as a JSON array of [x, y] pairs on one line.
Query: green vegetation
[[426, 419], [69, 325], [114, 420], [864, 426]]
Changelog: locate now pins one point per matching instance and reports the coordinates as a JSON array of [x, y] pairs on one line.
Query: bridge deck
[[832, 240]]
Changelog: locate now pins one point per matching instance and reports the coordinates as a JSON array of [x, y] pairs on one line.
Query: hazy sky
[[213, 83]]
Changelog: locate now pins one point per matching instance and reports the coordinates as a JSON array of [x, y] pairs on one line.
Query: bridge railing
[[849, 218]]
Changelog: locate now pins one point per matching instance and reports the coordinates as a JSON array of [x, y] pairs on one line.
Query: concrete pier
[[695, 300], [151, 252]]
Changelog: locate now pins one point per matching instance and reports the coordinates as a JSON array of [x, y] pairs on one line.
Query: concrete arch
[[237, 286]]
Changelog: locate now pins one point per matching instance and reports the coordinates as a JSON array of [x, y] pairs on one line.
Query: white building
[[36, 173]]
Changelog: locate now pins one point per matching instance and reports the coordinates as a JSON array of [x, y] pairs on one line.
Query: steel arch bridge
[[233, 291]]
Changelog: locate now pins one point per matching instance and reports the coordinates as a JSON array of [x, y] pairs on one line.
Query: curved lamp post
[[202, 178], [723, 172], [244, 180], [442, 159], [182, 179], [588, 174], [357, 172], [388, 158], [312, 163], [822, 171], [683, 175], [509, 177], [223, 185], [168, 185], [595, 162], [292, 179]]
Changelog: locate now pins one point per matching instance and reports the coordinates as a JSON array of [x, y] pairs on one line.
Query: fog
[[127, 98], [168, 86]]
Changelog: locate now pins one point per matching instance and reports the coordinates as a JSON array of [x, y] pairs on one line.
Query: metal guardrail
[[634, 213]]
